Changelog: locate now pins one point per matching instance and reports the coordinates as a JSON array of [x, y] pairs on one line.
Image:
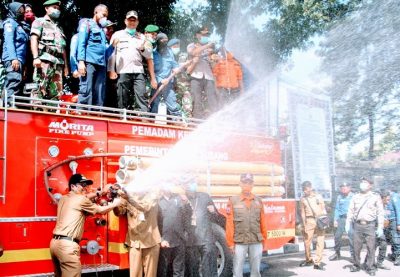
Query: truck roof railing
[[61, 107]]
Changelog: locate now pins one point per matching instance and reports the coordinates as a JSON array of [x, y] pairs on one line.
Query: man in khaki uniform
[[366, 214], [312, 205], [71, 212], [143, 237]]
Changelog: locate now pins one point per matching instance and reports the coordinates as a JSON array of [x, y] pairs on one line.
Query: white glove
[[379, 232]]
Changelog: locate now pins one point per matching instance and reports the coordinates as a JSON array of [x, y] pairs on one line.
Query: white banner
[[312, 141]]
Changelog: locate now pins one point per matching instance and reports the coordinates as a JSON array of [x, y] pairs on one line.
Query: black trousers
[[364, 233], [132, 92], [201, 259], [171, 262]]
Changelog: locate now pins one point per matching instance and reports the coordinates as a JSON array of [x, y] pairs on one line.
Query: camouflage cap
[[151, 28], [51, 2]]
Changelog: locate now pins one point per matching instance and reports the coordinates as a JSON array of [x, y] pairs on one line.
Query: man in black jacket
[[200, 246], [173, 215]]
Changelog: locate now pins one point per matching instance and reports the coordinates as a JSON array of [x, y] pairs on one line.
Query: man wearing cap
[[312, 205], [366, 215], [92, 59], [48, 46], [71, 212], [14, 49], [202, 75], [201, 256], [246, 231], [164, 66], [143, 237], [126, 61], [150, 33], [339, 222]]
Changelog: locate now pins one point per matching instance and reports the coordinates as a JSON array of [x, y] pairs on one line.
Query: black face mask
[[20, 16]]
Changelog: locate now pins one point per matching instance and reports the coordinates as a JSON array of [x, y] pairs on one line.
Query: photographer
[[71, 212]]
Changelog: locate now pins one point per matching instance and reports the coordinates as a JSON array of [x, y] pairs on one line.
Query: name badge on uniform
[[141, 217]]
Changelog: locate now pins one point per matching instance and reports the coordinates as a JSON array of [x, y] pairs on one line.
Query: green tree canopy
[[361, 54]]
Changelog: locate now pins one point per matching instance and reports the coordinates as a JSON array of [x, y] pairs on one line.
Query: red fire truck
[[42, 145]]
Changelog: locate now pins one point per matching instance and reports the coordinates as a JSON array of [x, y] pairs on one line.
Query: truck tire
[[224, 255]]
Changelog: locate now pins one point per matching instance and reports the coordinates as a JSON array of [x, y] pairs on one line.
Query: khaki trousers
[[65, 255], [144, 260], [310, 229]]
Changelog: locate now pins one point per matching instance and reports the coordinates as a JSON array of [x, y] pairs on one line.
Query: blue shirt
[[342, 205], [163, 64], [92, 43], [392, 209], [73, 54], [15, 41]]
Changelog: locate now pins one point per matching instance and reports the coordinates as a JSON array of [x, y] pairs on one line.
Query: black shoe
[[334, 257], [319, 267], [306, 263], [371, 272], [381, 266], [354, 268]]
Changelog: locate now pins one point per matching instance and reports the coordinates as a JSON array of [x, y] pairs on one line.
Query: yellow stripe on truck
[[282, 233], [25, 255], [117, 247], [113, 222]]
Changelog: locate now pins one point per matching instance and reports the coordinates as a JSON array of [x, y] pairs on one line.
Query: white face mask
[[364, 186], [176, 50]]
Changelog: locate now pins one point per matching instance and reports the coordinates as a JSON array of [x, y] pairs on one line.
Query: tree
[[361, 54], [289, 23], [150, 12]]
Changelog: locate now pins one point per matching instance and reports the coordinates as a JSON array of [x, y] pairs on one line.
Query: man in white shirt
[[126, 61], [202, 78]]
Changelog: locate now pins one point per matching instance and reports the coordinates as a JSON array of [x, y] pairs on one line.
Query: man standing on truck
[[311, 206], [71, 212], [48, 44], [143, 237], [200, 246], [14, 50], [246, 228]]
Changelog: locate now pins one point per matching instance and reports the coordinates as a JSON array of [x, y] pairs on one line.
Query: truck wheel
[[224, 256]]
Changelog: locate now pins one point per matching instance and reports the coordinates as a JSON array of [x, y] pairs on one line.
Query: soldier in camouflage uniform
[[48, 44], [182, 88]]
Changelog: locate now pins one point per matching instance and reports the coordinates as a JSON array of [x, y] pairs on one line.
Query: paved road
[[288, 265]]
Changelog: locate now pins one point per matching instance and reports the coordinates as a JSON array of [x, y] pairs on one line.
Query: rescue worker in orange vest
[[71, 212], [246, 228], [143, 237], [311, 206]]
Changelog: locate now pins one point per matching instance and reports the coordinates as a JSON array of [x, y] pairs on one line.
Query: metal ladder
[[3, 154]]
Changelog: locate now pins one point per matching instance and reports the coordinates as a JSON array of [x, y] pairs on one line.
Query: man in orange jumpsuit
[[246, 227]]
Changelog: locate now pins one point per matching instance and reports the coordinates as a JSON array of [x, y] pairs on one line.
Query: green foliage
[[361, 55], [150, 12], [289, 26]]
